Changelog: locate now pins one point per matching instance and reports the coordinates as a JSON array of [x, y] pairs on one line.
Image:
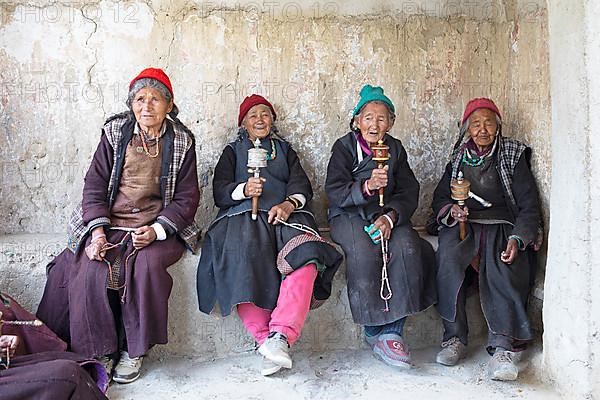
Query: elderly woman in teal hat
[[390, 269]]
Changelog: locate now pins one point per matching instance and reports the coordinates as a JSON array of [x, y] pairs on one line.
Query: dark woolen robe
[[75, 302], [412, 261], [503, 288], [239, 256], [49, 376], [41, 369]]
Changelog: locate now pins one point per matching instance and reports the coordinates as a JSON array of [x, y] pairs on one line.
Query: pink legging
[[291, 311]]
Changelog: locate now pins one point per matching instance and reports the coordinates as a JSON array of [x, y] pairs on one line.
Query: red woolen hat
[[480, 102], [154, 73], [250, 102]]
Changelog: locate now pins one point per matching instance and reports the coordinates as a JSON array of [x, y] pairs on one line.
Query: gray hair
[[155, 84], [391, 113]]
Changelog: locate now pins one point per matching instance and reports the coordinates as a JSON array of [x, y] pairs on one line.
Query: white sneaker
[[502, 366], [275, 348], [269, 367], [452, 352], [108, 363], [127, 369]]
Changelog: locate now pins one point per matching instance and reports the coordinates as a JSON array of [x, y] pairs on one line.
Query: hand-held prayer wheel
[[381, 153], [459, 191], [257, 159]]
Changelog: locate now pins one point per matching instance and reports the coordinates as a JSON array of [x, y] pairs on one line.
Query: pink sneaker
[[391, 349]]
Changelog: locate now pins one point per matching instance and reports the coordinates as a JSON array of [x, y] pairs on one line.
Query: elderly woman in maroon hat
[[269, 265], [107, 293], [497, 253]]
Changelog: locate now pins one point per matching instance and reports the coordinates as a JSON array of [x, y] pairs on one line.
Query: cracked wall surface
[[66, 67]]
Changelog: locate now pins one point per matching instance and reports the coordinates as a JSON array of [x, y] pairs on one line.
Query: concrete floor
[[353, 374]]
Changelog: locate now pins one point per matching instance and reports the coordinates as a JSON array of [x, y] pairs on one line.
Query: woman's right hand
[[378, 179], [458, 213], [254, 187], [94, 249], [10, 343]]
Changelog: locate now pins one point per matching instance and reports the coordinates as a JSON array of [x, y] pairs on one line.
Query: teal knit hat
[[372, 93]]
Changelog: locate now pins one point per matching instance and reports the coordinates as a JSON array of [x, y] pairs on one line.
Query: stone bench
[[23, 258]]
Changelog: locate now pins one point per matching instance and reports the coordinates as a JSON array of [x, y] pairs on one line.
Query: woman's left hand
[[511, 252], [384, 227], [281, 211], [143, 236]]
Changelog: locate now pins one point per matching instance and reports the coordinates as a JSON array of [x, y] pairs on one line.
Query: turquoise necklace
[[472, 160], [273, 154]]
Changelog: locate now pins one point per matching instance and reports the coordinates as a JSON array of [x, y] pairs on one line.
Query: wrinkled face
[[483, 127], [150, 108], [374, 121], [258, 121]]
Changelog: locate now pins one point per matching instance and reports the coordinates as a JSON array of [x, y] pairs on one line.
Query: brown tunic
[[138, 201]]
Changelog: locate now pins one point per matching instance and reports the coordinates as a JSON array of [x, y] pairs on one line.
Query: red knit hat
[[250, 102], [154, 73], [480, 102]]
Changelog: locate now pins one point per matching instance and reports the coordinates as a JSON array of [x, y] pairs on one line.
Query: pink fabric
[[363, 144], [291, 311], [366, 190]]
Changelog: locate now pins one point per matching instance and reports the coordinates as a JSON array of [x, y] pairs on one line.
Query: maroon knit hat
[[480, 102], [250, 102], [154, 73]]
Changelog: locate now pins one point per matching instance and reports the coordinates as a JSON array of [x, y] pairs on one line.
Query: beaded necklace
[[273, 154], [471, 159], [145, 145]]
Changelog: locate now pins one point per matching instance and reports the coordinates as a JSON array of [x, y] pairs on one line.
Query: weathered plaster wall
[[65, 69], [571, 304]]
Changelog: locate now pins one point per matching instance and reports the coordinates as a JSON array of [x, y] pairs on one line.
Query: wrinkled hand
[[458, 213], [94, 249], [378, 179], [9, 342], [384, 227], [143, 236], [281, 211], [511, 252], [254, 187]]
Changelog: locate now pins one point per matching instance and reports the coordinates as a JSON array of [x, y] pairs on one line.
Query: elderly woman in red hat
[[269, 265], [497, 253], [107, 293]]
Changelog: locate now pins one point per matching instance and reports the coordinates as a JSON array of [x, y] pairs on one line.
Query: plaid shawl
[[77, 229], [508, 153]]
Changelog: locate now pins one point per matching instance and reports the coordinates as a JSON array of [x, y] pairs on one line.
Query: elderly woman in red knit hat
[[107, 293], [263, 266], [497, 253]]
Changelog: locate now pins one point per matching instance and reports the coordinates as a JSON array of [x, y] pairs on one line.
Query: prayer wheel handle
[[254, 208], [257, 159], [459, 191], [381, 154]]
